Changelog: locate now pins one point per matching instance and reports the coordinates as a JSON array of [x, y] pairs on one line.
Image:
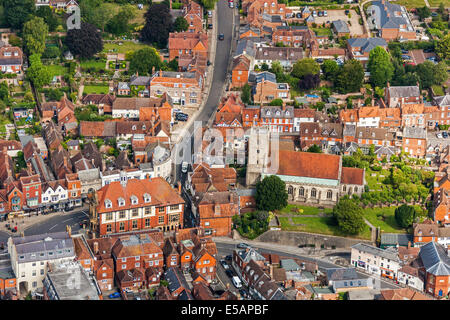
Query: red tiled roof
[[352, 176], [307, 164]]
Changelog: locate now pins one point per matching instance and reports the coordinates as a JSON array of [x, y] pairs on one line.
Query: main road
[[225, 20]]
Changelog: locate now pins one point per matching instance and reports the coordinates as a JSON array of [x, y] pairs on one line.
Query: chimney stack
[[95, 247], [179, 187], [409, 244]]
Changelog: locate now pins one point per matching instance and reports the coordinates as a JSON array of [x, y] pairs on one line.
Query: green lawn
[[96, 89], [436, 3], [97, 64], [124, 48], [388, 224], [372, 182], [322, 32], [57, 70], [319, 225], [411, 3], [306, 210]]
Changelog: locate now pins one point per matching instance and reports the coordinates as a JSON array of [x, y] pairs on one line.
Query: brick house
[[31, 189], [73, 184], [441, 206], [278, 119], [359, 48], [436, 266], [239, 71], [185, 88], [414, 141], [413, 115], [292, 36], [267, 89], [187, 43], [215, 211], [390, 118], [133, 279], [104, 102], [138, 251], [391, 20], [397, 96], [171, 255], [193, 13], [83, 253], [103, 264], [136, 205], [11, 59]]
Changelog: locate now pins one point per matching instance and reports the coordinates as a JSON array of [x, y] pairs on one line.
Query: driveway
[[418, 56], [333, 15]]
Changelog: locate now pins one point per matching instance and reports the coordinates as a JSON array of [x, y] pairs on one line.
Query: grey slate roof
[[386, 18], [435, 259], [249, 255], [245, 46], [140, 80], [289, 265], [341, 26], [403, 91], [265, 75], [367, 44], [396, 238], [334, 274], [442, 100], [175, 279], [389, 253], [414, 133]]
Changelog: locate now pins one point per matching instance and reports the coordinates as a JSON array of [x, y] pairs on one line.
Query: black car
[[429, 50], [347, 12], [221, 36], [229, 273], [180, 116], [243, 293], [319, 60], [243, 245], [228, 257], [445, 134], [210, 26]]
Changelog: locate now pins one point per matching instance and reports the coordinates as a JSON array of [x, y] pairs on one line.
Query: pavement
[[38, 224], [324, 258]]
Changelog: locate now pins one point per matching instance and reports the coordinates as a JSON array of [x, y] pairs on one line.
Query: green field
[[436, 3], [322, 225], [97, 64], [388, 224], [95, 89], [411, 3], [57, 70], [306, 210], [124, 48]]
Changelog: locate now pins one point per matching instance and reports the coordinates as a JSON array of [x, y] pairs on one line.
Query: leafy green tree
[[208, 4], [405, 215], [118, 25], [443, 47], [271, 194], [17, 12], [158, 24], [34, 33], [330, 69], [84, 42], [305, 66], [315, 149], [51, 52], [49, 17], [349, 216], [276, 102], [143, 61], [37, 72], [423, 12], [4, 92], [246, 95], [351, 77], [277, 69], [180, 24], [380, 67]]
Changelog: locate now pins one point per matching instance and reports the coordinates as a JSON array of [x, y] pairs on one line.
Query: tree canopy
[[405, 215], [84, 42], [180, 24], [380, 67], [351, 77], [158, 24], [430, 73], [49, 17], [315, 149], [34, 34], [349, 216], [17, 12], [305, 66], [143, 61], [118, 24], [271, 194], [37, 72], [443, 47], [330, 69]]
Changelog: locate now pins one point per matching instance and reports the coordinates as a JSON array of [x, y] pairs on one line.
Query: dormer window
[[287, 113], [268, 113], [147, 198], [134, 199], [121, 202], [108, 203], [278, 113]]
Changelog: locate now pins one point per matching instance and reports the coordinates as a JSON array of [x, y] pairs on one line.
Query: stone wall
[[294, 238]]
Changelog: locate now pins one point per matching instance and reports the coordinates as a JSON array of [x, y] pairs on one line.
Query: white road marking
[[68, 219], [52, 227]]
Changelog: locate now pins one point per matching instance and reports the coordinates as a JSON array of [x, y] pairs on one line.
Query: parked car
[[210, 26], [406, 57], [228, 257], [231, 5], [319, 60], [224, 264], [229, 273], [445, 134], [320, 13], [184, 167], [221, 36], [439, 135], [243, 245], [114, 295], [176, 110], [404, 51], [314, 13], [347, 12], [237, 282], [180, 116], [325, 13], [209, 13], [243, 293]]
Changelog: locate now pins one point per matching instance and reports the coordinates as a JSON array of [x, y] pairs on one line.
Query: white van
[[237, 282]]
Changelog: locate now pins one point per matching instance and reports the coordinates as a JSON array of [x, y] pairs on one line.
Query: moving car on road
[[221, 36]]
